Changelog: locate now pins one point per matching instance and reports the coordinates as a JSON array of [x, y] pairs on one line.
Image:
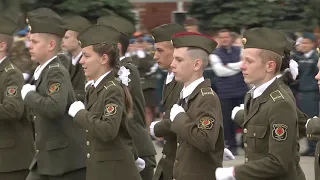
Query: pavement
[[307, 163]]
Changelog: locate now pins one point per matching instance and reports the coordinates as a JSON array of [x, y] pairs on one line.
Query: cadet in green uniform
[[171, 90], [197, 118], [60, 144], [16, 145], [270, 116], [108, 107], [70, 44], [287, 75], [313, 133], [137, 124]]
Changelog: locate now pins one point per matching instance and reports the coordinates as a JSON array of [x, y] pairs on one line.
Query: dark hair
[[223, 31], [112, 51], [286, 75], [124, 41]]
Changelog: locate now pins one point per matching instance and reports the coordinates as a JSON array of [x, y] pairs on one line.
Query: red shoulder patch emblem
[[279, 132], [53, 88], [110, 109], [12, 91], [206, 123]]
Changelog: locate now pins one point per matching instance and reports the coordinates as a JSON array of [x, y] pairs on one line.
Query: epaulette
[[54, 65], [207, 91], [9, 67], [276, 95], [109, 84]]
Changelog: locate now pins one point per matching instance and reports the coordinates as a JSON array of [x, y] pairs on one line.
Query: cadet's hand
[[140, 164], [27, 88], [227, 155], [75, 108], [152, 128], [225, 173], [309, 120], [235, 110], [175, 110]]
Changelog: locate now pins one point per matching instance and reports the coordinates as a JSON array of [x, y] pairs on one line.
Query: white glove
[[227, 155], [140, 164], [175, 110], [309, 120], [27, 88], [225, 173], [236, 110], [75, 108], [152, 128]]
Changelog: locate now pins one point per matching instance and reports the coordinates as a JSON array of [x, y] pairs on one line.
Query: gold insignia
[[110, 109], [111, 83], [29, 28], [79, 42], [27, 20], [206, 91], [53, 88], [276, 95], [206, 123], [279, 132], [9, 67], [12, 91], [54, 65], [318, 51], [244, 40]]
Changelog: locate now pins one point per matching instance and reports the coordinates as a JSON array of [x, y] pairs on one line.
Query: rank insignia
[[279, 132], [11, 91], [55, 87], [206, 123], [110, 109]]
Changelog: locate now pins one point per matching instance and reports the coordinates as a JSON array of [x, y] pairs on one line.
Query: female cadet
[[108, 106]]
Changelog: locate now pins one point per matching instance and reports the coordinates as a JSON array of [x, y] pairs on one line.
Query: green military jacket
[[200, 141], [109, 143], [78, 79], [60, 144], [16, 144], [269, 136], [170, 96], [144, 65], [313, 133], [137, 124]]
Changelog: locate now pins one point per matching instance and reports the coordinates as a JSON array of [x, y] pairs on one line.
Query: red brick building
[[152, 13]]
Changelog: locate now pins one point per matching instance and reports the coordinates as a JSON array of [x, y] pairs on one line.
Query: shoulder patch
[[53, 88], [12, 91], [110, 109], [109, 84], [276, 95], [206, 123], [54, 65], [207, 91], [9, 67], [279, 132]]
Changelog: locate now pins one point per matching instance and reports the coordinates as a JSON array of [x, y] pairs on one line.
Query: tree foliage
[[288, 15]]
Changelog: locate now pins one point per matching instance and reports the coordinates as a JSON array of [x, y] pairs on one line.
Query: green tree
[[288, 15], [91, 9]]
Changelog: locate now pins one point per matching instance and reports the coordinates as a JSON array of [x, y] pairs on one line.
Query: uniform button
[[254, 134], [246, 160], [318, 155], [310, 135], [88, 155], [164, 113], [176, 162], [35, 134], [164, 141], [34, 118], [87, 131], [164, 156], [245, 145], [78, 94], [88, 143], [245, 130], [37, 150], [178, 144]]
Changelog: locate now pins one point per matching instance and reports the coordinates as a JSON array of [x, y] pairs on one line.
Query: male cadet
[[71, 45], [16, 144], [197, 118], [171, 90], [137, 125], [60, 145], [313, 133], [270, 117]]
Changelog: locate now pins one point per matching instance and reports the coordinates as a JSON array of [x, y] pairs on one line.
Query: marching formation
[[85, 117]]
